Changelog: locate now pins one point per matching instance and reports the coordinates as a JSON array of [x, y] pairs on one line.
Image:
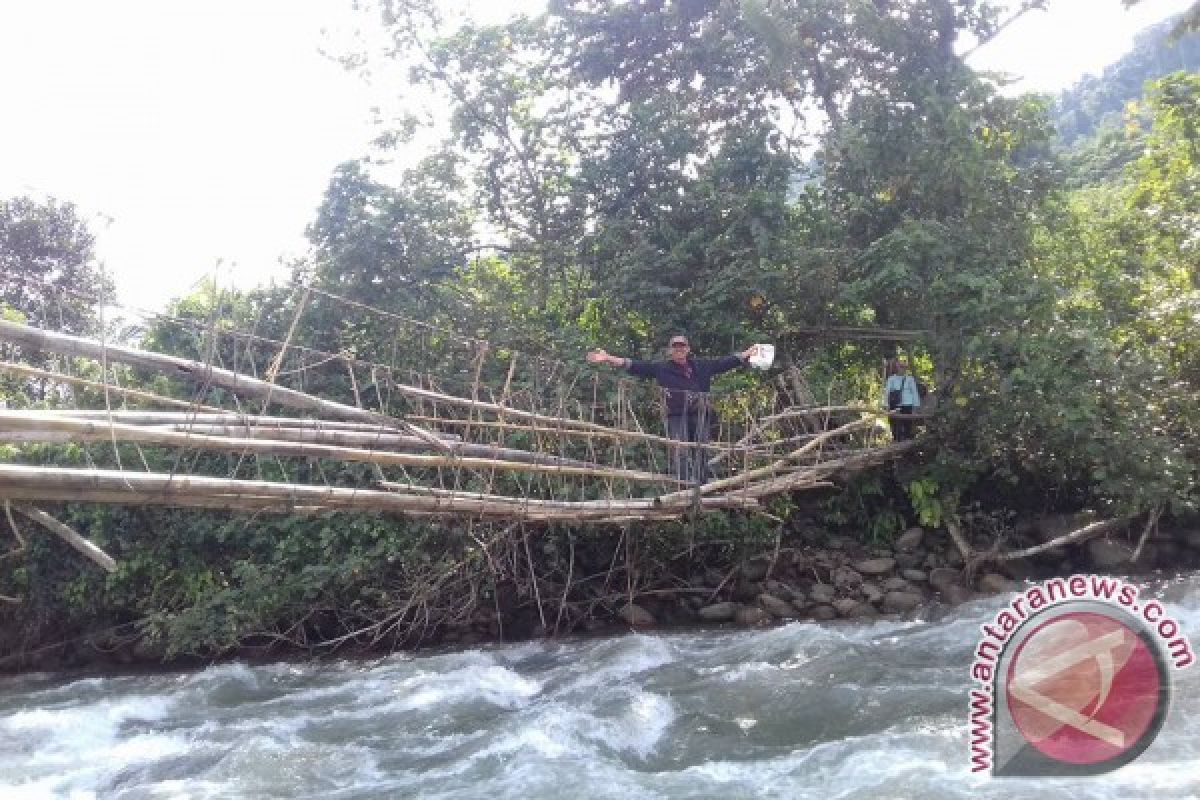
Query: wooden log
[[68, 535], [1080, 534], [198, 372], [135, 394], [88, 431]]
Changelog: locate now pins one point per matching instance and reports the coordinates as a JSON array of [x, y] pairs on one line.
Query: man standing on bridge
[[686, 382]]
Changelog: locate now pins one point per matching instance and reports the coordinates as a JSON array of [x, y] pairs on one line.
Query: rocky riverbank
[[807, 573], [819, 577]]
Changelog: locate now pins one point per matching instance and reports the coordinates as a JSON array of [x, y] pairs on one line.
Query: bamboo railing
[[445, 454]]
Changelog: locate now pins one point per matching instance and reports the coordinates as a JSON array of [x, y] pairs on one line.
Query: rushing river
[[867, 710]]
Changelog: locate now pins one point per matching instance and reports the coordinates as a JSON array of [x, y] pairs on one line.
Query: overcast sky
[[198, 137]]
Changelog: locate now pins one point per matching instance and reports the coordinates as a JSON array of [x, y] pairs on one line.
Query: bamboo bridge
[[244, 423]]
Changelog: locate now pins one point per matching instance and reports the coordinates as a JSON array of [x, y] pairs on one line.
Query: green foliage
[[48, 269], [867, 506], [928, 503]]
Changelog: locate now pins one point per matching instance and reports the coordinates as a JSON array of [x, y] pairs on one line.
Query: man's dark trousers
[[690, 463]]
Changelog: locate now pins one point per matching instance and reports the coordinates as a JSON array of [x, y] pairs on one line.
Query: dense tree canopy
[[48, 268]]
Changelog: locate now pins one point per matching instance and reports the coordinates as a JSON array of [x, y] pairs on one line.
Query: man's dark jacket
[[679, 382]]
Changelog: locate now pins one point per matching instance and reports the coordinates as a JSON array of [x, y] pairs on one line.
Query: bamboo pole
[[816, 475], [220, 417], [603, 432], [377, 441], [560, 424], [565, 505], [829, 410], [87, 430], [141, 488], [50, 341], [136, 394], [68, 535], [688, 495]]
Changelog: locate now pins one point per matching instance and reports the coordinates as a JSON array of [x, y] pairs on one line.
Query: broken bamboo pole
[[65, 532]]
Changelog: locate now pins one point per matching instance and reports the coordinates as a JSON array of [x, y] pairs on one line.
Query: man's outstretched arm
[[643, 369], [719, 365], [600, 356]]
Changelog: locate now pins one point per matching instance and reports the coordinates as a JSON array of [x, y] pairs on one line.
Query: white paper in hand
[[763, 356]]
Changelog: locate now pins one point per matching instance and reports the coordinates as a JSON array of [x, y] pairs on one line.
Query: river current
[[850, 710]]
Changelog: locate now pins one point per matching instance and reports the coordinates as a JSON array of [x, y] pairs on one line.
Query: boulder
[[943, 577], [751, 616], [1167, 552], [900, 602], [848, 607], [754, 570], [872, 593], [993, 583], [1108, 553], [1021, 569], [776, 607], [780, 590], [844, 577], [895, 584], [746, 591], [909, 560], [910, 539], [875, 566], [824, 613], [915, 575], [956, 595], [822, 593], [718, 612]]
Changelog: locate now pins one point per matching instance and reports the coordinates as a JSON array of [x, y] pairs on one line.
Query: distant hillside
[[1098, 102]]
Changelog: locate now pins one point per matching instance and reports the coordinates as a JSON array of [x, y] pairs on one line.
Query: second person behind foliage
[[901, 395]]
